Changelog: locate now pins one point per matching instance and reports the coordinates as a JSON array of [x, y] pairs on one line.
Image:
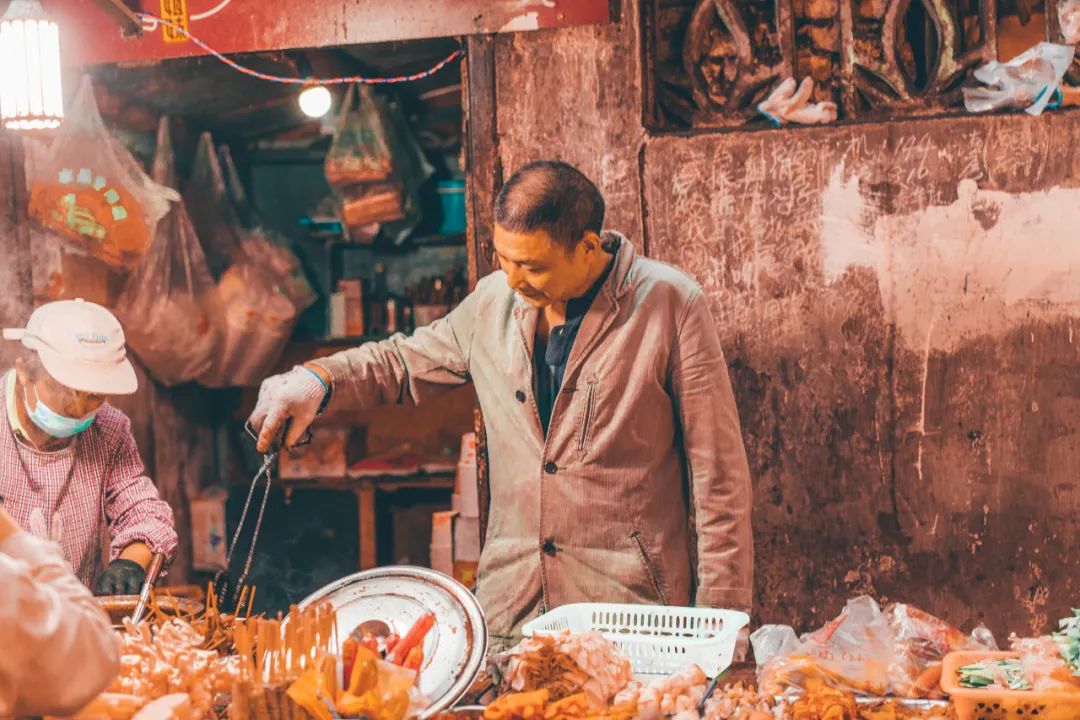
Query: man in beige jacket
[[613, 435]]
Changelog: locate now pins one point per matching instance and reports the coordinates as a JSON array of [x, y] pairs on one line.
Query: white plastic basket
[[658, 639]]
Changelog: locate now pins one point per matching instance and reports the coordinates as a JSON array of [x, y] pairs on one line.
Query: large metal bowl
[[454, 650], [121, 606]]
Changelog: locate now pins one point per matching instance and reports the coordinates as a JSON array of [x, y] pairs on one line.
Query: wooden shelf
[[365, 490]]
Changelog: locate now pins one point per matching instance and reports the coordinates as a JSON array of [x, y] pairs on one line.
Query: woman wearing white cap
[[70, 471]]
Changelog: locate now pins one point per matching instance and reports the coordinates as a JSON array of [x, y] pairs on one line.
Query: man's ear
[[590, 242]]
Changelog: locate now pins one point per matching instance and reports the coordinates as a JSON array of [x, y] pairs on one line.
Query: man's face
[[60, 398], [539, 270]]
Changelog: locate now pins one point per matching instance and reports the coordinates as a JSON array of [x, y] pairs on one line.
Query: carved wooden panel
[[912, 55], [716, 59], [710, 62]]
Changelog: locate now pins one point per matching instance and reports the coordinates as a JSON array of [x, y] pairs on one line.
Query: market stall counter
[[410, 644]]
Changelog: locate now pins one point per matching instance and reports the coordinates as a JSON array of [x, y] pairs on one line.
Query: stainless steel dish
[[456, 647]]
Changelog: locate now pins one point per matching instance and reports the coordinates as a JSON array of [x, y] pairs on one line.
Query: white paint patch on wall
[[951, 273]]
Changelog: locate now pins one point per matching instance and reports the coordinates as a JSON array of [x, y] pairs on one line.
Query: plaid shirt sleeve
[[133, 507]]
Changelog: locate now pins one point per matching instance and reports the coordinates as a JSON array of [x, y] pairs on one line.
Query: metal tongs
[[149, 581], [221, 579]]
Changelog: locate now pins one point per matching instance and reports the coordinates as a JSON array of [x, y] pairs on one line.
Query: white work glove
[[786, 105], [296, 395]]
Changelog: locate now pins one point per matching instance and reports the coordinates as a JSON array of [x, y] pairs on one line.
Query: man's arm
[[716, 461], [140, 522], [405, 370], [59, 650], [402, 370]]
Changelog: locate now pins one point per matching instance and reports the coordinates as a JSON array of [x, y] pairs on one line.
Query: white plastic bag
[[169, 306], [88, 189], [1030, 81], [1069, 20]]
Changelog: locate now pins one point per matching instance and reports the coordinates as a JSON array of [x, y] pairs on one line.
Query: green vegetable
[[983, 674], [1068, 641]]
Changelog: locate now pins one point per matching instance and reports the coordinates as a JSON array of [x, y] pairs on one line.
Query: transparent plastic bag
[[87, 188], [169, 307], [360, 152], [260, 287], [411, 170], [850, 653], [1030, 81], [919, 644], [865, 651]]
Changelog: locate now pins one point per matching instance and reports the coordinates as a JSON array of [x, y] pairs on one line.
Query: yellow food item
[[825, 703], [525, 705], [308, 692], [365, 672]]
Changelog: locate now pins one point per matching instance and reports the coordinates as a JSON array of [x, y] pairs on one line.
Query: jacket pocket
[[650, 566], [586, 416]]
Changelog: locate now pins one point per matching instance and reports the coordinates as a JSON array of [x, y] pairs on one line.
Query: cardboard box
[[337, 315], [208, 539], [468, 449], [465, 487], [323, 458], [442, 559], [442, 528], [467, 539]]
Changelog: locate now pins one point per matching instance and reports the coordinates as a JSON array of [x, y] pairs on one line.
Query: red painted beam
[[90, 36]]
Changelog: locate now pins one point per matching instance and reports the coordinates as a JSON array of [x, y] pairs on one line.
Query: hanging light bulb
[[315, 101], [30, 94]]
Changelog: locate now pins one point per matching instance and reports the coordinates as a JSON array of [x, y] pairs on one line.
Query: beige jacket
[[644, 437]]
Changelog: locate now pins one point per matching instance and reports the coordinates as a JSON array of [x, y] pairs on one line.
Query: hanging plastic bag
[[360, 152], [1031, 80], [1069, 20], [411, 170], [169, 307], [89, 189], [260, 288]]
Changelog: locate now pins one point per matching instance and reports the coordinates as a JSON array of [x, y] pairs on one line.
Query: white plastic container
[[658, 639]]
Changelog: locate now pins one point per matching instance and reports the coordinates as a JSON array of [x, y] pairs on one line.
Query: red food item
[[390, 643], [348, 658], [413, 638]]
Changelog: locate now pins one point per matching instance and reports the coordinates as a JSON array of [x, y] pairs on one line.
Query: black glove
[[122, 577]]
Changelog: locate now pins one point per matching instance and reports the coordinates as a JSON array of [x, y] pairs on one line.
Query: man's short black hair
[[551, 196]]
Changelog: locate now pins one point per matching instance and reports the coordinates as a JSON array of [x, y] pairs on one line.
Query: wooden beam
[[483, 178], [483, 166], [124, 16], [16, 301]]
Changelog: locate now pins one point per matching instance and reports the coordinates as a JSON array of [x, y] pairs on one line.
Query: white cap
[[81, 344]]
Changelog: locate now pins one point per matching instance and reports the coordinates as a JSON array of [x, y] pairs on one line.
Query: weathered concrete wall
[[902, 349]]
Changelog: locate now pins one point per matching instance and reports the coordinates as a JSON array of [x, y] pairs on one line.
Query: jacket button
[[549, 547], [520, 396], [551, 468]]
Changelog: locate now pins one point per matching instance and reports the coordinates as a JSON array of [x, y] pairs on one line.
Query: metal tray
[[456, 647]]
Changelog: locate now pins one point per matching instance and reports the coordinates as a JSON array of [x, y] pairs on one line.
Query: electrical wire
[[269, 77]]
